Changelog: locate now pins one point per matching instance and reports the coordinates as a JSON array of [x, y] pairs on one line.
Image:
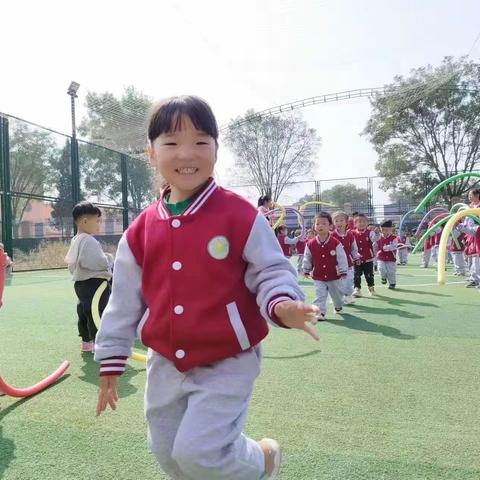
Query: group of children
[[339, 251], [463, 249], [198, 277]]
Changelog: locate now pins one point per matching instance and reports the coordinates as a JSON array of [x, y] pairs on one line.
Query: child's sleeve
[[392, 247], [92, 256], [292, 241], [122, 315], [307, 264], [342, 261], [375, 236], [269, 275], [354, 248]]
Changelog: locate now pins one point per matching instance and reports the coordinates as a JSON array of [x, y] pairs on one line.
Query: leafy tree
[[427, 128], [33, 154], [273, 151], [119, 124], [62, 208]]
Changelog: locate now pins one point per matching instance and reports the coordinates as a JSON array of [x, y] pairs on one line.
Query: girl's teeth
[[187, 170]]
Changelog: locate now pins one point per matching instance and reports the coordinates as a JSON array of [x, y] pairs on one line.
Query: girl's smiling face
[[184, 157]]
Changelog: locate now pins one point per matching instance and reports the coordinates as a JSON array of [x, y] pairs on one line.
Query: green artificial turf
[[391, 391]]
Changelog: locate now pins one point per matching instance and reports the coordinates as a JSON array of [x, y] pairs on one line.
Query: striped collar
[[326, 241], [200, 199]]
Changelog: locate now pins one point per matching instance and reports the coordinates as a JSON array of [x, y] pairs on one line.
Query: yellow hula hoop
[[282, 216], [315, 202], [139, 357], [442, 248]]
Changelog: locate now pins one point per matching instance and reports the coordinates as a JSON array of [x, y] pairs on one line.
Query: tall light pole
[[74, 157], [72, 91]]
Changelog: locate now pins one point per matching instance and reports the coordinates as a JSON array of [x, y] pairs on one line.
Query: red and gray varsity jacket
[[198, 287], [387, 248], [325, 260], [349, 244], [365, 240]]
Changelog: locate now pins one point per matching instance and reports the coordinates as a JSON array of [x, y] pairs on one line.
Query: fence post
[[6, 205], [124, 172]]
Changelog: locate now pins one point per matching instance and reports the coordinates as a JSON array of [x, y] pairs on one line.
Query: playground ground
[[390, 392]]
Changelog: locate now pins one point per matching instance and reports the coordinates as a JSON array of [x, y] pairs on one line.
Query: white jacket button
[[178, 309], [177, 266], [176, 223], [180, 354]]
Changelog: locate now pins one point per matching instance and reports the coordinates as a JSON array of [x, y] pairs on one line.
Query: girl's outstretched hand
[[107, 394], [295, 314]]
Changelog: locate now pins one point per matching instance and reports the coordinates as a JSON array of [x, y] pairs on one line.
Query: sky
[[235, 54]]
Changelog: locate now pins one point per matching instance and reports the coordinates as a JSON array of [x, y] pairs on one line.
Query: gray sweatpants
[[388, 271], [323, 289], [347, 283], [195, 418], [300, 264], [475, 269], [459, 262], [403, 255], [426, 257]]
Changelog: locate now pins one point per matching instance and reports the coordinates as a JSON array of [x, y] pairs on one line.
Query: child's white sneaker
[[357, 293], [348, 300], [273, 458]]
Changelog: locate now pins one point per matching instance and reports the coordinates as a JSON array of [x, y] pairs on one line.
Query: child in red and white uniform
[[456, 248], [365, 242], [5, 264], [387, 255], [300, 248], [286, 242], [347, 239], [326, 262], [198, 274], [404, 245]]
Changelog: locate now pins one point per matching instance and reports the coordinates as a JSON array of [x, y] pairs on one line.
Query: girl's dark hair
[[324, 215], [262, 200], [279, 229], [166, 116], [85, 208]]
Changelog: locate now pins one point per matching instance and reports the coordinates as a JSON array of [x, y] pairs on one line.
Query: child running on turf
[[300, 248], [286, 242], [387, 255], [365, 241], [326, 262], [404, 246], [207, 266], [456, 248], [89, 267], [347, 239]]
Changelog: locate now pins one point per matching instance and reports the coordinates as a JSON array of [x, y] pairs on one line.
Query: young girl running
[[203, 270], [325, 260]]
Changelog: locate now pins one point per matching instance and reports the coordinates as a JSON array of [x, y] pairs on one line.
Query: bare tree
[[271, 152]]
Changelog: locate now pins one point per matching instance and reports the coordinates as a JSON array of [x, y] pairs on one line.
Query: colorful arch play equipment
[[442, 249], [441, 186], [402, 221], [34, 389], [438, 210], [139, 357]]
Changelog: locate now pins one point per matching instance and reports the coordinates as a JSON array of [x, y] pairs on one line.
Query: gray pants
[[435, 253], [322, 289], [300, 264], [459, 262], [475, 269], [426, 257], [388, 271], [195, 418], [403, 255], [347, 283]]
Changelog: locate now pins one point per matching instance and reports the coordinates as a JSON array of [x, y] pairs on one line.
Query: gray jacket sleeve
[[269, 275], [125, 307]]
